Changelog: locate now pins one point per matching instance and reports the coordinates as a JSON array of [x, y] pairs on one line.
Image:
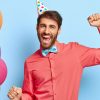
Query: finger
[[10, 96], [12, 93], [19, 90], [14, 87], [90, 18], [97, 16]]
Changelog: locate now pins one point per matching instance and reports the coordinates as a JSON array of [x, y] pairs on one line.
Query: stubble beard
[[53, 40]]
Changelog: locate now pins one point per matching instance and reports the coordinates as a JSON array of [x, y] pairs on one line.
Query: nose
[[47, 31]]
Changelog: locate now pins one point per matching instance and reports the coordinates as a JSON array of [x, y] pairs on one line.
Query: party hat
[[40, 7]]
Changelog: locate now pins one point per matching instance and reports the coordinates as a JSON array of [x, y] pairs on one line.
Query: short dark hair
[[54, 15]]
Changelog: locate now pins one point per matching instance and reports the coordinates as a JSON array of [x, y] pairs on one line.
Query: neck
[[49, 47]]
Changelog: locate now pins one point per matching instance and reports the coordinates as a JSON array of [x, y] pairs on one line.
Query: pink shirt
[[57, 76]]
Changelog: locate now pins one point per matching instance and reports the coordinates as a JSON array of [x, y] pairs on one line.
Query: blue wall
[[18, 38]]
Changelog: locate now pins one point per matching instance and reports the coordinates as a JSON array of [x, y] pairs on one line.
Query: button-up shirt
[[57, 76]]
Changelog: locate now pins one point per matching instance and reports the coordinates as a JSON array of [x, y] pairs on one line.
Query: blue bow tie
[[52, 49]]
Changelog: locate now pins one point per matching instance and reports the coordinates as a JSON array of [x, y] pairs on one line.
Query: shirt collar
[[37, 55], [57, 44]]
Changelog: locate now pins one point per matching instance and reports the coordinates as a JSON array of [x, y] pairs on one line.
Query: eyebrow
[[53, 26], [49, 25]]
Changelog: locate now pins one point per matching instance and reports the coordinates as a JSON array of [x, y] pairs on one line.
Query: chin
[[46, 46]]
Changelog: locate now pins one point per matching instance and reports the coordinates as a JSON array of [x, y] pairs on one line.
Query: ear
[[36, 27], [59, 30]]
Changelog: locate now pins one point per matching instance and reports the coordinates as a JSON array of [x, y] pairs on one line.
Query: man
[[54, 71]]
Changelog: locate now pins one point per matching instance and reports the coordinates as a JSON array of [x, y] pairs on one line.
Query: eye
[[52, 27], [42, 26]]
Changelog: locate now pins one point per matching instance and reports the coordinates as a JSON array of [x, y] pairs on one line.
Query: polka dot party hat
[[40, 7]]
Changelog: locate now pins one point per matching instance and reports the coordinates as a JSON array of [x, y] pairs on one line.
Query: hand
[[15, 93], [94, 20]]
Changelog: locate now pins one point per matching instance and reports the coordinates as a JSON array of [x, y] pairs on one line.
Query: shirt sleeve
[[88, 56], [28, 85]]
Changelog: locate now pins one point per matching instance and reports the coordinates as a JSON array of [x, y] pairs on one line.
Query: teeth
[[46, 40], [46, 37]]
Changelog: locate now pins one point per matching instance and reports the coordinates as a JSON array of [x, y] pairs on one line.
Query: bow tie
[[52, 49]]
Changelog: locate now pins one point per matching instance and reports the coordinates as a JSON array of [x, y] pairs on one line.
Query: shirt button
[[55, 93]]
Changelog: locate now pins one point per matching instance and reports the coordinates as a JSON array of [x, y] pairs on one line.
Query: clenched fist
[[15, 93], [94, 20]]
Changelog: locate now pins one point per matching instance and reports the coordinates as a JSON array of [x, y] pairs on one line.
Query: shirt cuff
[[99, 29], [26, 96]]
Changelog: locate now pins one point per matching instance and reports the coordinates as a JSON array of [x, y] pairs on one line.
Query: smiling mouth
[[46, 39]]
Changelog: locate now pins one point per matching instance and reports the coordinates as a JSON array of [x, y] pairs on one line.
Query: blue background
[[18, 38]]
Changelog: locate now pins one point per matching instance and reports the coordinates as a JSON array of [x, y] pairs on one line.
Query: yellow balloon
[[0, 20]]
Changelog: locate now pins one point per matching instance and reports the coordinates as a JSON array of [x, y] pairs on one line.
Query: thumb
[[90, 19]]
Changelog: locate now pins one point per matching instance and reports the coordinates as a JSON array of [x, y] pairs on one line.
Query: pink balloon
[[3, 68], [3, 71]]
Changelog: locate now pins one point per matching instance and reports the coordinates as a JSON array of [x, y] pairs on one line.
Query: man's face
[[47, 31]]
